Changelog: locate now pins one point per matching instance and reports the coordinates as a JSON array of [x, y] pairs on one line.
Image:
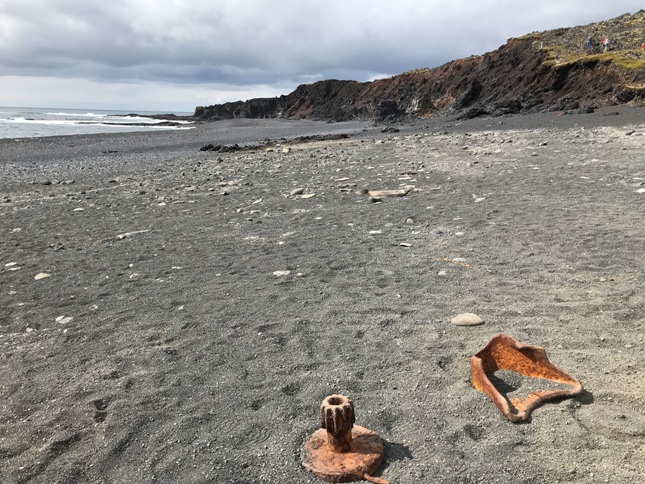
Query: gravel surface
[[171, 315]]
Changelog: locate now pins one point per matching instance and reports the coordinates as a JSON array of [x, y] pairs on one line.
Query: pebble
[[297, 191], [405, 244], [442, 273], [467, 319], [42, 275], [64, 319], [130, 234], [281, 273], [640, 190], [79, 209]]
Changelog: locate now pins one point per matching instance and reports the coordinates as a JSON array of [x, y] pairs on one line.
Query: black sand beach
[[194, 308]]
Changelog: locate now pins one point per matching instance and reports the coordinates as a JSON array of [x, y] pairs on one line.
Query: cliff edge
[[562, 69]]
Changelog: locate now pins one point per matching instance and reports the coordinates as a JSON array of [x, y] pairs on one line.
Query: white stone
[[42, 275], [467, 319]]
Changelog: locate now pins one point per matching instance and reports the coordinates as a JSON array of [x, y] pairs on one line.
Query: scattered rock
[[42, 275], [281, 273], [221, 148], [467, 319], [297, 191], [400, 192], [130, 234]]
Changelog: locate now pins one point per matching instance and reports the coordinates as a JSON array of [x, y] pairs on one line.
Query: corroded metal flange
[[340, 451], [505, 353]]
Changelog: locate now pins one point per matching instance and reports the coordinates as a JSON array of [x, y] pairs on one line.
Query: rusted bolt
[[340, 451]]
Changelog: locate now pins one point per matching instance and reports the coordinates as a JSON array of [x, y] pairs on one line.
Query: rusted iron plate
[[505, 353]]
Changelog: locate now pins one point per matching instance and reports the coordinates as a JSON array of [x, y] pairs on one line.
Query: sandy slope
[[188, 360]]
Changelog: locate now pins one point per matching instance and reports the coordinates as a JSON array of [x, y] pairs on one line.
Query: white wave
[[79, 115]]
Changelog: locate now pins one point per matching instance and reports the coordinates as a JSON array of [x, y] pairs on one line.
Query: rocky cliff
[[551, 70]]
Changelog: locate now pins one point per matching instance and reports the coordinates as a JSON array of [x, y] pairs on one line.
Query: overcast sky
[[172, 55]]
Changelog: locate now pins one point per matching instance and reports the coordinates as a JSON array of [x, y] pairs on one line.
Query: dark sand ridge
[[187, 360]]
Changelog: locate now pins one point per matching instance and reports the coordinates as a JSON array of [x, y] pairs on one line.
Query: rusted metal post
[[337, 417]]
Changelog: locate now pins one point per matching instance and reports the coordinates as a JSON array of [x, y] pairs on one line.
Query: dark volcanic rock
[[551, 70]]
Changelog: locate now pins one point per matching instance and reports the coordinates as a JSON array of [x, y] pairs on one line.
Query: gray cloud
[[263, 42]]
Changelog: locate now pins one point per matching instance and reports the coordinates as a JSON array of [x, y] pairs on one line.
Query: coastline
[[199, 306]]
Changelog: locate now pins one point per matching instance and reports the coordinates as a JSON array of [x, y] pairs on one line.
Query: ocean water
[[37, 122]]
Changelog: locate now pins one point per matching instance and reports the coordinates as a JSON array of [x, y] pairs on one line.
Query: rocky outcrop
[[553, 70]]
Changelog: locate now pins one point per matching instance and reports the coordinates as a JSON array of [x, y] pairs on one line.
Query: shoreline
[[197, 307]]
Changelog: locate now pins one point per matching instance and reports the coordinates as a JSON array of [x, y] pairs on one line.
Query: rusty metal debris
[[505, 353], [340, 451]]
